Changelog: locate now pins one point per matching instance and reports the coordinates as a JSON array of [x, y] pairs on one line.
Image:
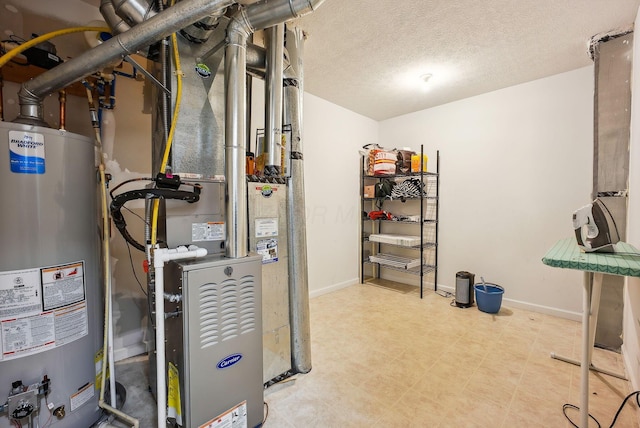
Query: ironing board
[[566, 254]]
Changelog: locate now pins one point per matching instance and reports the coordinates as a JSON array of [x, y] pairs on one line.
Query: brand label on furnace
[[26, 152]]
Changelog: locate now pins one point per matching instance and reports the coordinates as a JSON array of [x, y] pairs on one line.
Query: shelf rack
[[402, 263]]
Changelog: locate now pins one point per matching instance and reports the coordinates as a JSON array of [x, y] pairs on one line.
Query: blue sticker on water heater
[[26, 152]]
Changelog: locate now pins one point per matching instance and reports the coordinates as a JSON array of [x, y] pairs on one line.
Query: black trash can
[[464, 289]]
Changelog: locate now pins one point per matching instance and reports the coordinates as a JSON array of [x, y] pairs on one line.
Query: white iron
[[595, 228]]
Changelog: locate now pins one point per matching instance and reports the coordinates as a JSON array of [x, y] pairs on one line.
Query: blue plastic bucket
[[488, 297]]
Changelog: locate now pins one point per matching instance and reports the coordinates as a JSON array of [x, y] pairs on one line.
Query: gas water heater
[[50, 296]]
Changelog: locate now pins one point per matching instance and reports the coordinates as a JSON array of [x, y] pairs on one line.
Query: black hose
[[121, 199]]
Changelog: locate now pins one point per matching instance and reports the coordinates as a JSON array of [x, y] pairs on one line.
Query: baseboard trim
[[334, 287], [633, 375], [556, 312], [129, 345]]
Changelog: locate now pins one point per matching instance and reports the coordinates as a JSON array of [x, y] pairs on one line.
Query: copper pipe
[[62, 98]]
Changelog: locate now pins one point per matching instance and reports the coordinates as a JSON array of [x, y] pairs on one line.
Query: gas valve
[[22, 410], [23, 400]]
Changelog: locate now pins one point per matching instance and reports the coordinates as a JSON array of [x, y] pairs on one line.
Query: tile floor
[[382, 358]]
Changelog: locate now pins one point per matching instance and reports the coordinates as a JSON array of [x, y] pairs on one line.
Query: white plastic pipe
[[160, 257], [110, 350], [107, 349], [108, 132]]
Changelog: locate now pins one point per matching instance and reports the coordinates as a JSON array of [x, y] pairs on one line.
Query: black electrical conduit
[[121, 199]]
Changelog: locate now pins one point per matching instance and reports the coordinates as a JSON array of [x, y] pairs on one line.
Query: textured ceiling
[[368, 55]]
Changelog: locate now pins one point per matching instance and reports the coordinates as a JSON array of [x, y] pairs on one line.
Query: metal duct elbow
[[31, 110], [133, 11], [239, 29], [269, 13], [116, 23], [266, 13]]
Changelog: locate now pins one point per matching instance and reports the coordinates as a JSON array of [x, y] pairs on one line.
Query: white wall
[[631, 320], [132, 152], [515, 164], [332, 136]]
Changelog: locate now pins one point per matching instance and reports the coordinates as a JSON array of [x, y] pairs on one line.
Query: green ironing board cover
[[566, 254]]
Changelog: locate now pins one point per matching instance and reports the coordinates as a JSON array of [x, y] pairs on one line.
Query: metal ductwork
[[200, 31], [269, 13], [247, 20], [256, 59], [133, 11], [296, 213], [274, 40], [235, 139], [121, 15], [161, 25], [117, 24]]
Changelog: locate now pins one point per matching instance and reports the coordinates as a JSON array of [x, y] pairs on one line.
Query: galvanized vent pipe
[[298, 273], [246, 21], [235, 68], [133, 11], [274, 40], [116, 23], [161, 25]]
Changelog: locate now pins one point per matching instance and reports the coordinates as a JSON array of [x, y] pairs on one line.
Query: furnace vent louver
[[227, 310]]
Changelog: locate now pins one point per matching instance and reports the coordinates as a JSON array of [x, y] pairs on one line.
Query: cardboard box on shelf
[[370, 191]]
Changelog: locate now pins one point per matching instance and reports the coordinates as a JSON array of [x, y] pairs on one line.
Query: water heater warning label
[[26, 152], [41, 309]]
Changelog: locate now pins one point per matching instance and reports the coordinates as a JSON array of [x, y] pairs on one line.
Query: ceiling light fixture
[[11, 8], [425, 82]]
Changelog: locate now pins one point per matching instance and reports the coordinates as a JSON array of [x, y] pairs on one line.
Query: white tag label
[[266, 227], [211, 231]]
